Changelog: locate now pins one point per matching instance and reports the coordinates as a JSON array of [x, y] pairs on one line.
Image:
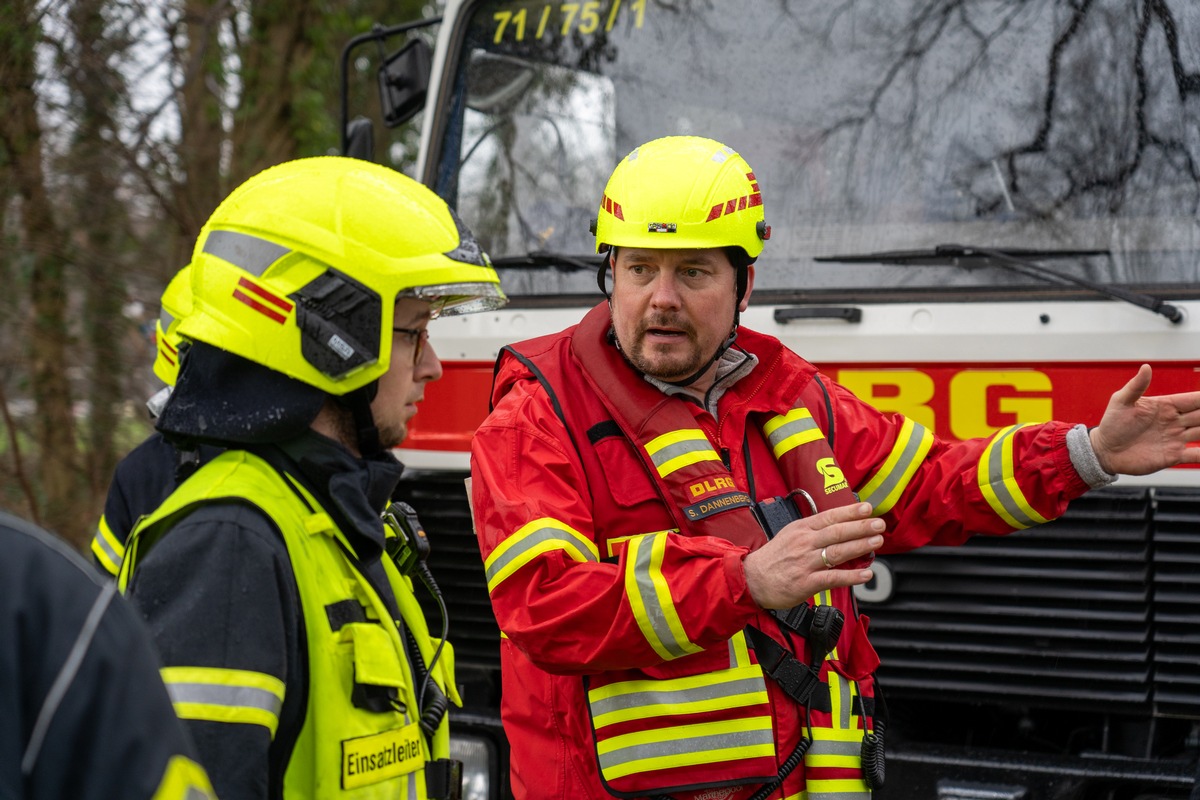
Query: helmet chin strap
[[729, 340], [741, 263], [359, 404]]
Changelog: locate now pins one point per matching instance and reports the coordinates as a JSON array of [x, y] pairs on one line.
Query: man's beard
[[665, 367], [347, 431]]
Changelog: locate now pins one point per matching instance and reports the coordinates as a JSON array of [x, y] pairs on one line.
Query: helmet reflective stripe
[[250, 253]]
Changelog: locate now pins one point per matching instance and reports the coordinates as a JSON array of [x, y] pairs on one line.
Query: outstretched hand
[[805, 556], [1138, 435]]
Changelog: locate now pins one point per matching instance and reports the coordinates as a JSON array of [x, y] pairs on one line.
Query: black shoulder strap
[[828, 408]]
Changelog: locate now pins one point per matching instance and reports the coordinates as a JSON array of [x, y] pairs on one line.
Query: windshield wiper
[[1014, 259], [560, 261]]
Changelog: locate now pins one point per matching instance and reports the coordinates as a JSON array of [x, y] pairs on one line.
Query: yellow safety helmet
[[679, 192], [176, 303], [300, 267]]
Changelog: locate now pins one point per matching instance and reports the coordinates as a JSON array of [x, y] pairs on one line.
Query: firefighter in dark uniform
[[293, 644], [83, 713], [152, 470]]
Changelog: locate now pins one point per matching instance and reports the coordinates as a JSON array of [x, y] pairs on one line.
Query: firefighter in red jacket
[[672, 511]]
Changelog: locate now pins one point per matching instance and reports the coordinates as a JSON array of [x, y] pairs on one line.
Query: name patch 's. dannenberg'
[[715, 505], [380, 756]]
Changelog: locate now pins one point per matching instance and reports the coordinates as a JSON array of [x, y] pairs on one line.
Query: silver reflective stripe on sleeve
[[998, 483], [650, 598]]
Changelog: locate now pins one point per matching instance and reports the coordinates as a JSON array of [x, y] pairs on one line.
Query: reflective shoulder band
[[890, 481], [109, 550], [225, 695], [788, 431], [678, 449], [533, 539], [997, 481]]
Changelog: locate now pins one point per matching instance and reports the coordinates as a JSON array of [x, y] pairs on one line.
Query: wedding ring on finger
[[825, 558]]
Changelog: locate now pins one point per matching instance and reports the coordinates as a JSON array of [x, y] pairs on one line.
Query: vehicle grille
[[1177, 603], [1096, 607], [1090, 609], [440, 500]]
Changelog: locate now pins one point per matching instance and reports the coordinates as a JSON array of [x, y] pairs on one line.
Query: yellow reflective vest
[[341, 750]]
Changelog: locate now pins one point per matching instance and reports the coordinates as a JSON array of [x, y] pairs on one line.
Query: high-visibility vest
[[342, 750]]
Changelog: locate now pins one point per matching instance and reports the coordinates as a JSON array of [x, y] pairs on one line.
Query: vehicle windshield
[[1045, 125]]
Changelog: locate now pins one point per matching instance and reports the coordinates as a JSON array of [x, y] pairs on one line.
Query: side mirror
[[404, 82], [360, 139]]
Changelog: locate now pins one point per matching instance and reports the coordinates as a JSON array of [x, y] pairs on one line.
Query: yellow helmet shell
[[299, 269], [176, 303], [682, 192]]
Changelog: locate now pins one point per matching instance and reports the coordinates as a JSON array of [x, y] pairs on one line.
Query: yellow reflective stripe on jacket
[[997, 481], [611, 544], [225, 695], [834, 747], [531, 540], [713, 691], [839, 748], [678, 449], [685, 745], [108, 549], [891, 479], [848, 789], [184, 779], [790, 430], [650, 598]]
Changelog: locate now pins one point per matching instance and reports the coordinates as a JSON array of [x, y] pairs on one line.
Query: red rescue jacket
[[609, 603]]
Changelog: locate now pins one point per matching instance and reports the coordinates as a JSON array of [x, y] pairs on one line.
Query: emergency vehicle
[[983, 213]]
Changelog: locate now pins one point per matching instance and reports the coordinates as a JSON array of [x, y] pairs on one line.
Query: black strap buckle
[[821, 626], [795, 678]]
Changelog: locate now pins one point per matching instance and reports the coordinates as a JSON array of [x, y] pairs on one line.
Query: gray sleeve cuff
[[1083, 458]]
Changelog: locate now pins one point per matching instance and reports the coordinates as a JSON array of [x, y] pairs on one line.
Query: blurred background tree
[[122, 125]]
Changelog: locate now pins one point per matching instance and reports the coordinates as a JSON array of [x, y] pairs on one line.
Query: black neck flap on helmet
[[221, 398]]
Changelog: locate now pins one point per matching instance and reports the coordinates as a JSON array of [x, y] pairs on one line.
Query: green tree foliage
[[122, 125]]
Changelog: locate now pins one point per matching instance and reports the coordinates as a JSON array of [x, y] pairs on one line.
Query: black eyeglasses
[[418, 337]]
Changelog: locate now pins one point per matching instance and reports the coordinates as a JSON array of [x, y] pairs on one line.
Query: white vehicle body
[[910, 141]]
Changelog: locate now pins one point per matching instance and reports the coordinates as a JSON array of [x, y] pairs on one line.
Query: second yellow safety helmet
[[176, 304]]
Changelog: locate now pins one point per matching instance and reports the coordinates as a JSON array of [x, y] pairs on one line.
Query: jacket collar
[[353, 490]]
